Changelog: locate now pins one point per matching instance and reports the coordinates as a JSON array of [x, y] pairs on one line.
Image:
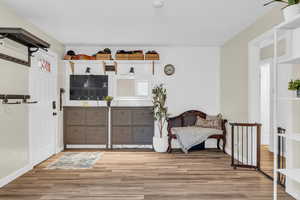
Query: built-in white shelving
[[291, 24], [289, 99], [293, 174], [111, 61], [293, 60], [291, 136]]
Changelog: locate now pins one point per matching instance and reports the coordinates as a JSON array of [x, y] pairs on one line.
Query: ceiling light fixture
[[158, 3]]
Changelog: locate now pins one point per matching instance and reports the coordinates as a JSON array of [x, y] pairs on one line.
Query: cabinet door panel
[[143, 135], [75, 135], [121, 117], [122, 135], [142, 117], [96, 116], [75, 116], [96, 135]]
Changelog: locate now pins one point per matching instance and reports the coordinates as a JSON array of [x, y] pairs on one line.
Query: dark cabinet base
[[130, 126], [85, 126]]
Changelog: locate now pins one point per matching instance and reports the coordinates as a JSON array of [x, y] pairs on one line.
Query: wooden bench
[[189, 118]]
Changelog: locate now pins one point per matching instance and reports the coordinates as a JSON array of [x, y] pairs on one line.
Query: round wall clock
[[169, 69]]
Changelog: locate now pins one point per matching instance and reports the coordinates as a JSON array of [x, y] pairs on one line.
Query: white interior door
[[43, 122], [265, 100]]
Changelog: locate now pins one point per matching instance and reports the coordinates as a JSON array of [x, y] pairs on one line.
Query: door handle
[[54, 113]]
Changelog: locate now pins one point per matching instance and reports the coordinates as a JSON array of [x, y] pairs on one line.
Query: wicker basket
[[120, 56], [136, 56], [67, 57], [81, 57], [103, 57], [152, 57]]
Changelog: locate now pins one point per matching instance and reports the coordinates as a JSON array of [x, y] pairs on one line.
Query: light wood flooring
[[142, 174], [267, 160]]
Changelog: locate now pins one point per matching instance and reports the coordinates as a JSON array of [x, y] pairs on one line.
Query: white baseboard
[[59, 149], [4, 181]]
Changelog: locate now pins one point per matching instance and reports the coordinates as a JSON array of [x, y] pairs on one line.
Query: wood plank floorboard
[[144, 175]]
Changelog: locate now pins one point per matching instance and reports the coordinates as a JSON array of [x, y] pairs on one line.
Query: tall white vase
[[291, 11], [160, 144]]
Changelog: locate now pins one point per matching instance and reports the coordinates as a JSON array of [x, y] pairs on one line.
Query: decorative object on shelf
[[130, 55], [131, 71], [108, 100], [291, 10], [110, 68], [107, 51], [69, 55], [160, 112], [30, 42], [136, 55], [169, 69], [295, 85], [81, 57], [104, 55], [152, 55]]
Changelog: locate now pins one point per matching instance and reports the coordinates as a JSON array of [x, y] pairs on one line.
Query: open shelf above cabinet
[[112, 61], [293, 174], [291, 24]]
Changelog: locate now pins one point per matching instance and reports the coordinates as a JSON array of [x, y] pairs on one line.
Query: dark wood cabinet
[[132, 125], [89, 126], [85, 125]]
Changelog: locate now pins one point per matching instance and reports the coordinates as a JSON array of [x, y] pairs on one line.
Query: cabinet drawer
[[75, 116], [143, 135], [121, 117], [96, 116], [122, 135], [75, 135], [96, 135], [142, 117]]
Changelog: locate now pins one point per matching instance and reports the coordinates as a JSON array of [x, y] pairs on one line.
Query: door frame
[[56, 119], [263, 62], [254, 62]]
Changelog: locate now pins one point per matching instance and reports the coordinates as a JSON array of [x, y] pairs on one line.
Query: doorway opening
[[267, 158]]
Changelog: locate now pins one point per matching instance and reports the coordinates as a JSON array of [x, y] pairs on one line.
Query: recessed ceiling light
[[158, 3]]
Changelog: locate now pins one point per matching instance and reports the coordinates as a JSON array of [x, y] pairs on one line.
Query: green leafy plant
[[287, 2], [294, 85], [108, 98], [160, 110]]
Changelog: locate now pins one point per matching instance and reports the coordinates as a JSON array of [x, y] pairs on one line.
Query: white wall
[[195, 84], [14, 134], [234, 69]]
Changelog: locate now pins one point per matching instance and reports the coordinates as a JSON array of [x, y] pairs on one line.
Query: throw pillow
[[211, 117], [205, 123]]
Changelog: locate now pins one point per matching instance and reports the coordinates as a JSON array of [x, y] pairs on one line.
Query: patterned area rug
[[76, 160]]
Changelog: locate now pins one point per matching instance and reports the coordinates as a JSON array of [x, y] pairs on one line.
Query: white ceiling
[[136, 22]]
